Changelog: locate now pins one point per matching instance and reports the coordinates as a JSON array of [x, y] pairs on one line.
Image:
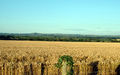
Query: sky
[[96, 17]]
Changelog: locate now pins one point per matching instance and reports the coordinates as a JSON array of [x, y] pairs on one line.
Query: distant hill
[[59, 37]]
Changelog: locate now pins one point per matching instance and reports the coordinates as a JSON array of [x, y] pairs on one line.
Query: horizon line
[[58, 33]]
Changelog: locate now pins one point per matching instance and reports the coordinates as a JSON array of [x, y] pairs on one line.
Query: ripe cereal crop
[[23, 53]]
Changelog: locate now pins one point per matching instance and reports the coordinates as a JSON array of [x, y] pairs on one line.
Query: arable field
[[25, 52]]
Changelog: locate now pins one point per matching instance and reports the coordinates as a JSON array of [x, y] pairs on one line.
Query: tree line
[[59, 38]]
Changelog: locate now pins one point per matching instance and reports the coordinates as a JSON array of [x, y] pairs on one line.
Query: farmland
[[27, 52]]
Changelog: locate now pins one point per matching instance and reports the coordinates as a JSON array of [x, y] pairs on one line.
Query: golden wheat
[[37, 52]]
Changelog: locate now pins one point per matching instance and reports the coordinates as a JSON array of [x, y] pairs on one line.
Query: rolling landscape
[[24, 57]]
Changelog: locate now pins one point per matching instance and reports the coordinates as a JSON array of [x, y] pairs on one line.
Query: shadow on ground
[[118, 70], [95, 67]]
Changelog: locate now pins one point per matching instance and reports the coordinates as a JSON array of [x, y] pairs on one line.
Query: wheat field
[[26, 52]]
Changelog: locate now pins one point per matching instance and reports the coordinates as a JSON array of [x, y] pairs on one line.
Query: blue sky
[[99, 17]]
